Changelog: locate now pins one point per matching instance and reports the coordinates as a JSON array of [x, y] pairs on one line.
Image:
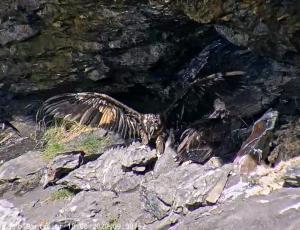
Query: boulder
[[62, 165], [183, 189]]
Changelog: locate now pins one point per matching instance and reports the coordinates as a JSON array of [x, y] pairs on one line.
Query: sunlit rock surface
[[146, 53]]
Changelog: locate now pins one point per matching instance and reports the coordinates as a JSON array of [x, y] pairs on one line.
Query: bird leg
[[145, 141], [160, 145]]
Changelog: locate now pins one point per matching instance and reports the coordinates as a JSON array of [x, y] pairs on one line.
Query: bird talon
[[142, 147]]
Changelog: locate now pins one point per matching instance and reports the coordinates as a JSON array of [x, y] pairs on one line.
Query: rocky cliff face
[[146, 53], [134, 50], [270, 28], [90, 43]]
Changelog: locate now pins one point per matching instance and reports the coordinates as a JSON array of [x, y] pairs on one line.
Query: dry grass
[[58, 139]]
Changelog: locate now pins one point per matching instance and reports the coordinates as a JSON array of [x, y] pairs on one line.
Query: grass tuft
[[60, 139], [61, 194], [91, 144]]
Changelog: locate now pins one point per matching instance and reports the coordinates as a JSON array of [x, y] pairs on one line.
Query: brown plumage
[[193, 146], [103, 111]]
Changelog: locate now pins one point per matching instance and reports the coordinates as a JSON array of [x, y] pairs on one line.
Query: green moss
[[61, 194], [91, 144], [53, 137], [52, 150]]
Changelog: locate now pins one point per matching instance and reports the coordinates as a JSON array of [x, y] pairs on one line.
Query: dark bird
[[205, 137], [103, 111]]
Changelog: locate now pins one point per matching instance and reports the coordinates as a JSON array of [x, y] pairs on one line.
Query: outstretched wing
[[202, 85], [193, 147], [93, 109]]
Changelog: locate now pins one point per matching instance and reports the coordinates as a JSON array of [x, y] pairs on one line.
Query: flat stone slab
[[22, 166], [98, 210], [10, 217], [279, 210]]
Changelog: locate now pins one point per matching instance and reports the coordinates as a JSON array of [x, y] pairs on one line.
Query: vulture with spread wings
[[103, 111]]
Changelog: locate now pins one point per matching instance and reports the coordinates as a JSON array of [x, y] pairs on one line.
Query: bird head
[[152, 123]]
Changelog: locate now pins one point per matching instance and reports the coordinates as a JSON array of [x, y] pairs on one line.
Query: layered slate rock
[[57, 43], [263, 181], [108, 171], [287, 143], [62, 165], [292, 176], [269, 28], [256, 148], [148, 54], [186, 188], [92, 209], [168, 196], [140, 161], [279, 210], [10, 216], [22, 174], [17, 139], [18, 21], [12, 32]]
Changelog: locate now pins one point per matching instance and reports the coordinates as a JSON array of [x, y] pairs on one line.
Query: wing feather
[[131, 129], [94, 109], [201, 85], [193, 147], [115, 125], [124, 128]]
